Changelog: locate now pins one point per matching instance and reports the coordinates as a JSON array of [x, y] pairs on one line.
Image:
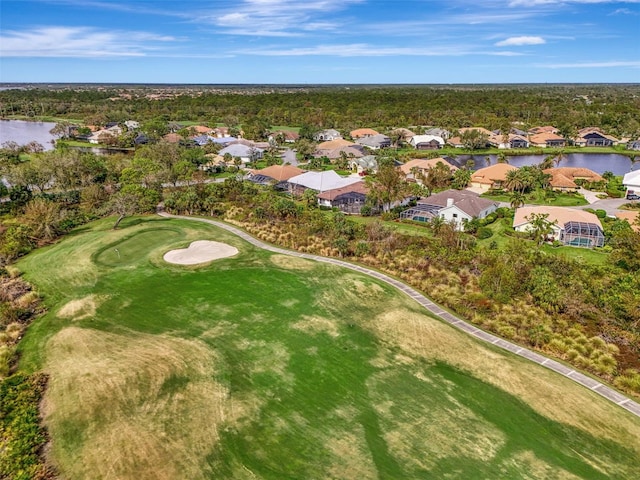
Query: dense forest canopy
[[614, 108]]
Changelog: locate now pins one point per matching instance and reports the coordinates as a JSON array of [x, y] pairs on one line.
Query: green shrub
[[601, 213], [484, 232]]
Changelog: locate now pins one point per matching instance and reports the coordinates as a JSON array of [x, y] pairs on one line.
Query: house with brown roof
[[631, 217], [274, 174], [572, 174], [349, 198], [423, 165], [546, 140], [491, 177], [363, 132], [545, 129], [456, 206], [172, 138], [569, 226], [201, 129]]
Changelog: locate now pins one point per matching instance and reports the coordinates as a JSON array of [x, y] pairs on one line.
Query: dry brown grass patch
[[81, 307], [292, 263], [315, 325], [546, 392], [143, 406]]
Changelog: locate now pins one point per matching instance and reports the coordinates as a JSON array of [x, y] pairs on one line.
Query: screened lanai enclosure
[[420, 213], [582, 234]]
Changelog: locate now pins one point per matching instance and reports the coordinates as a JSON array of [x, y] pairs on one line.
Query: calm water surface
[[23, 132], [598, 162]]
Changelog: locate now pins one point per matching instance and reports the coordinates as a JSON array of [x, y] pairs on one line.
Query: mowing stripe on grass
[[580, 378]]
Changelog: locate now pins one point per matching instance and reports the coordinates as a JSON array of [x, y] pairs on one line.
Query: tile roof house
[[349, 199], [631, 217], [457, 206], [574, 173], [427, 142], [424, 165], [546, 139], [633, 145], [172, 138], [327, 135], [545, 129], [594, 137], [287, 136], [274, 174], [363, 132], [570, 226], [374, 142], [491, 177]]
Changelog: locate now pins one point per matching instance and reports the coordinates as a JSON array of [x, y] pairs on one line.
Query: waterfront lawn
[[270, 366]]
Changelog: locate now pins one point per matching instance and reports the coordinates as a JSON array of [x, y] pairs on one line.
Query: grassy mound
[[265, 366]]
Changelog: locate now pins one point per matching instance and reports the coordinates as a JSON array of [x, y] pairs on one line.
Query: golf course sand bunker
[[200, 251]]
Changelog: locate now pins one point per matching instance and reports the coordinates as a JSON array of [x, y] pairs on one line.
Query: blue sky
[[320, 41]]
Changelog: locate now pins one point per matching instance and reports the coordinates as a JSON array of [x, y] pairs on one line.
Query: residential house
[[244, 152], [201, 129], [491, 177], [413, 168], [364, 165], [633, 144], [333, 148], [172, 138], [457, 206], [402, 134], [547, 140], [631, 182], [349, 199], [545, 129], [274, 174], [512, 141], [286, 136], [336, 153], [426, 142], [327, 135], [220, 132], [140, 139], [563, 179], [438, 132], [455, 142], [103, 136], [594, 137], [132, 125], [631, 217], [319, 181], [363, 132], [202, 140], [482, 130], [374, 142], [569, 226]]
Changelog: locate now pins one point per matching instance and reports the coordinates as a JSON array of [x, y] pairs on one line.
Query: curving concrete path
[[592, 384]]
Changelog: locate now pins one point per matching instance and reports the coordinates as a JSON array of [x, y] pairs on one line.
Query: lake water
[[598, 162], [23, 132]]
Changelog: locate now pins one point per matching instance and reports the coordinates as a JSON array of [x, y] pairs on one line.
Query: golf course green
[[266, 366]]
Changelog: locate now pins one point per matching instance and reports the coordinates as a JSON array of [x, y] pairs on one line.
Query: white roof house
[[244, 152], [631, 181], [426, 142], [322, 181]]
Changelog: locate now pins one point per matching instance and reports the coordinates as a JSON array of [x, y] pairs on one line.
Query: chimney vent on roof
[[449, 202]]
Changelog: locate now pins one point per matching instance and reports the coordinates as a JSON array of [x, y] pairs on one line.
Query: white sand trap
[[200, 251]]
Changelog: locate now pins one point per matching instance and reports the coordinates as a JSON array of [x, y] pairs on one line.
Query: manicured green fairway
[[268, 366]]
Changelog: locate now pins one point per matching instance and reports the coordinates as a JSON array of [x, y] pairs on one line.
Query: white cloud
[[611, 64], [519, 41], [367, 50], [77, 42], [277, 18]]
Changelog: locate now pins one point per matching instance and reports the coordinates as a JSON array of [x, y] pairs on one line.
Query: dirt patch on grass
[[200, 251], [135, 406], [81, 307], [293, 263], [350, 457], [531, 467], [549, 394], [315, 325]]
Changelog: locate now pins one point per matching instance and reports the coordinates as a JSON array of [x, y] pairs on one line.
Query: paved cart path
[[589, 382]]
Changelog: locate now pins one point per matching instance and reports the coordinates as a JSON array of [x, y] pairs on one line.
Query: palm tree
[[547, 162], [517, 199], [560, 156], [514, 181]]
